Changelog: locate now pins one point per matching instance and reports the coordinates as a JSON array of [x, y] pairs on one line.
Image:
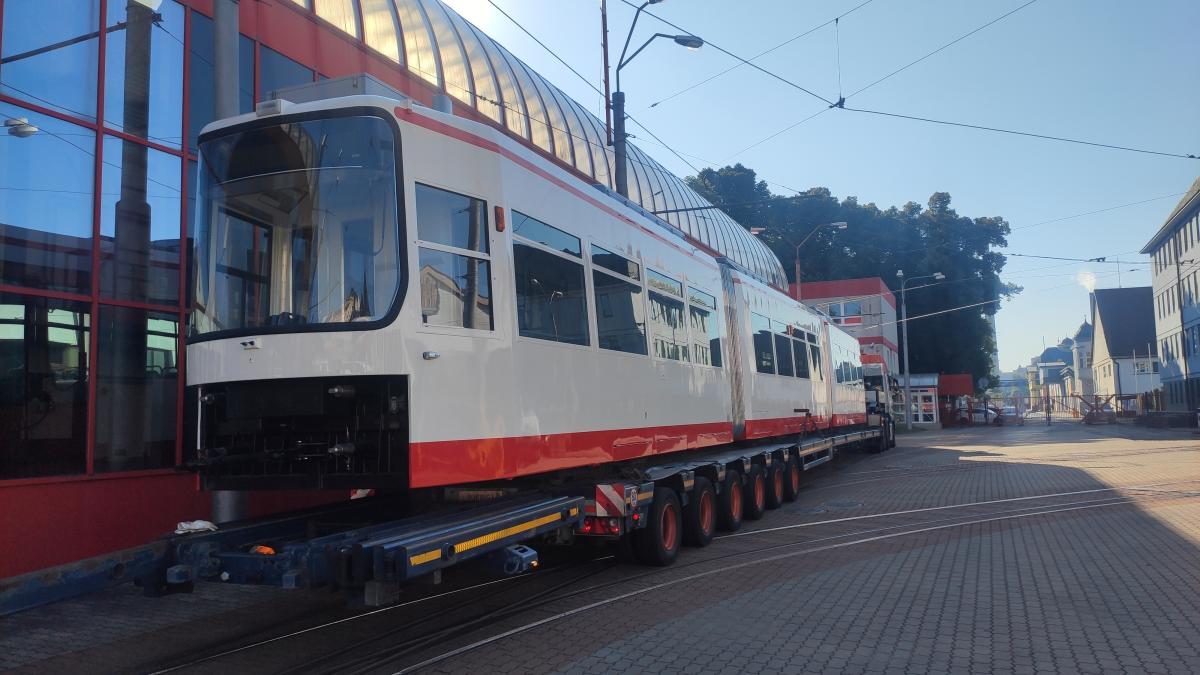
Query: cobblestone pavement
[[1000, 550]]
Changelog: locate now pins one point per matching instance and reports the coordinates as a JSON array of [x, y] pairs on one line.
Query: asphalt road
[[999, 550]]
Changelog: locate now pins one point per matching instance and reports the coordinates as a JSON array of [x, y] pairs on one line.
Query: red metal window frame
[[93, 297]]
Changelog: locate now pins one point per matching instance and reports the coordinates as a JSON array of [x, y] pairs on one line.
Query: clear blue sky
[[1105, 70]]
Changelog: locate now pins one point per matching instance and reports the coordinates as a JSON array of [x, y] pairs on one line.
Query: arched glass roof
[[437, 45]]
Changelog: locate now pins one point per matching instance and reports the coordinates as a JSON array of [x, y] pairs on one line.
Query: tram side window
[[764, 353], [706, 334], [551, 293], [783, 349], [667, 317], [455, 268], [801, 353], [818, 371], [620, 314]]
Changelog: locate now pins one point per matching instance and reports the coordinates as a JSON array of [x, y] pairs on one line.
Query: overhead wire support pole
[[227, 505]]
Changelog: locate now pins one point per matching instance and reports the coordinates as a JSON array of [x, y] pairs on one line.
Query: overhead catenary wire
[[1029, 134], [943, 47], [742, 60], [589, 83], [761, 54], [1104, 210]]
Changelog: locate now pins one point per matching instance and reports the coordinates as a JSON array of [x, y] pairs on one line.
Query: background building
[[102, 103], [1124, 358], [866, 309], [1175, 263]]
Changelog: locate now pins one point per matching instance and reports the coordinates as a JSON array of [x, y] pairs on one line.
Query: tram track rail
[[824, 544], [429, 630]]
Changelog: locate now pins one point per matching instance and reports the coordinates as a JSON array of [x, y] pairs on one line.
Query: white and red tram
[[387, 295]]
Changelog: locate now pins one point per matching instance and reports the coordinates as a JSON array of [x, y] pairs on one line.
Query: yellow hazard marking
[[430, 556], [645, 495], [421, 559]]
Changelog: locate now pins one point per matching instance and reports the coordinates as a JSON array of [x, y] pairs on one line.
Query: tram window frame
[[800, 356], [631, 277], [703, 302], [662, 290], [434, 247], [783, 357], [814, 351], [584, 338], [764, 363]]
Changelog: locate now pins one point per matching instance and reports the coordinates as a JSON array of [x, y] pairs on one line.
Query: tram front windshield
[[296, 226]]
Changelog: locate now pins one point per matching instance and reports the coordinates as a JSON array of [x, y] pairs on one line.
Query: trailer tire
[[700, 515], [791, 480], [730, 503], [658, 542], [755, 497], [775, 481]]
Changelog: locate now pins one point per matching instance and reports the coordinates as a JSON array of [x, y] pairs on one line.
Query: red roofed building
[[866, 309]]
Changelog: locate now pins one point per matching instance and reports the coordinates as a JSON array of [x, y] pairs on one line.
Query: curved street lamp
[[692, 42], [936, 276]]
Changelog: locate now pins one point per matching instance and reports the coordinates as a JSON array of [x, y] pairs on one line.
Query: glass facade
[[102, 103]]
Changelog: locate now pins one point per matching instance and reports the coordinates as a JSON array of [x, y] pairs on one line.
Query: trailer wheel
[[775, 481], [700, 515], [730, 502], [755, 496], [658, 542], [791, 483]]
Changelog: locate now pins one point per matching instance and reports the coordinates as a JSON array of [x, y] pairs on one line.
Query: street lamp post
[[620, 176], [908, 410], [796, 260]]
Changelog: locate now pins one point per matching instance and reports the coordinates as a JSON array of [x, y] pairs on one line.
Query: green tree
[[877, 243]]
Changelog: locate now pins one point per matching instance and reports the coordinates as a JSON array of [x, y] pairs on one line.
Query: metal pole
[[908, 410], [799, 295], [130, 271], [1183, 342], [621, 179], [227, 505], [608, 128]]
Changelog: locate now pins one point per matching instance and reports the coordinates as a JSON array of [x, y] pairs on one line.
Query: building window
[[46, 189], [706, 333], [764, 349], [200, 76], [382, 33], [144, 61], [139, 223], [551, 294], [42, 64], [340, 13], [44, 357], [136, 389], [456, 279], [668, 326], [783, 349], [276, 71]]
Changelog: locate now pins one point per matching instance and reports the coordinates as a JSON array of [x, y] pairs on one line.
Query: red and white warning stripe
[[610, 500]]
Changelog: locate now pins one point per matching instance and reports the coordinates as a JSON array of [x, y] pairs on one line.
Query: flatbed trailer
[[370, 548]]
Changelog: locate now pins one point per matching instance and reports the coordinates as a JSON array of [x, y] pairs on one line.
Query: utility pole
[[937, 276], [227, 505]]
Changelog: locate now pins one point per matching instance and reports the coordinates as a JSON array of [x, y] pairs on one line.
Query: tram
[[389, 296]]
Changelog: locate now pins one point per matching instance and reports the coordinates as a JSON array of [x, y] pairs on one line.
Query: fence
[[1089, 409]]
